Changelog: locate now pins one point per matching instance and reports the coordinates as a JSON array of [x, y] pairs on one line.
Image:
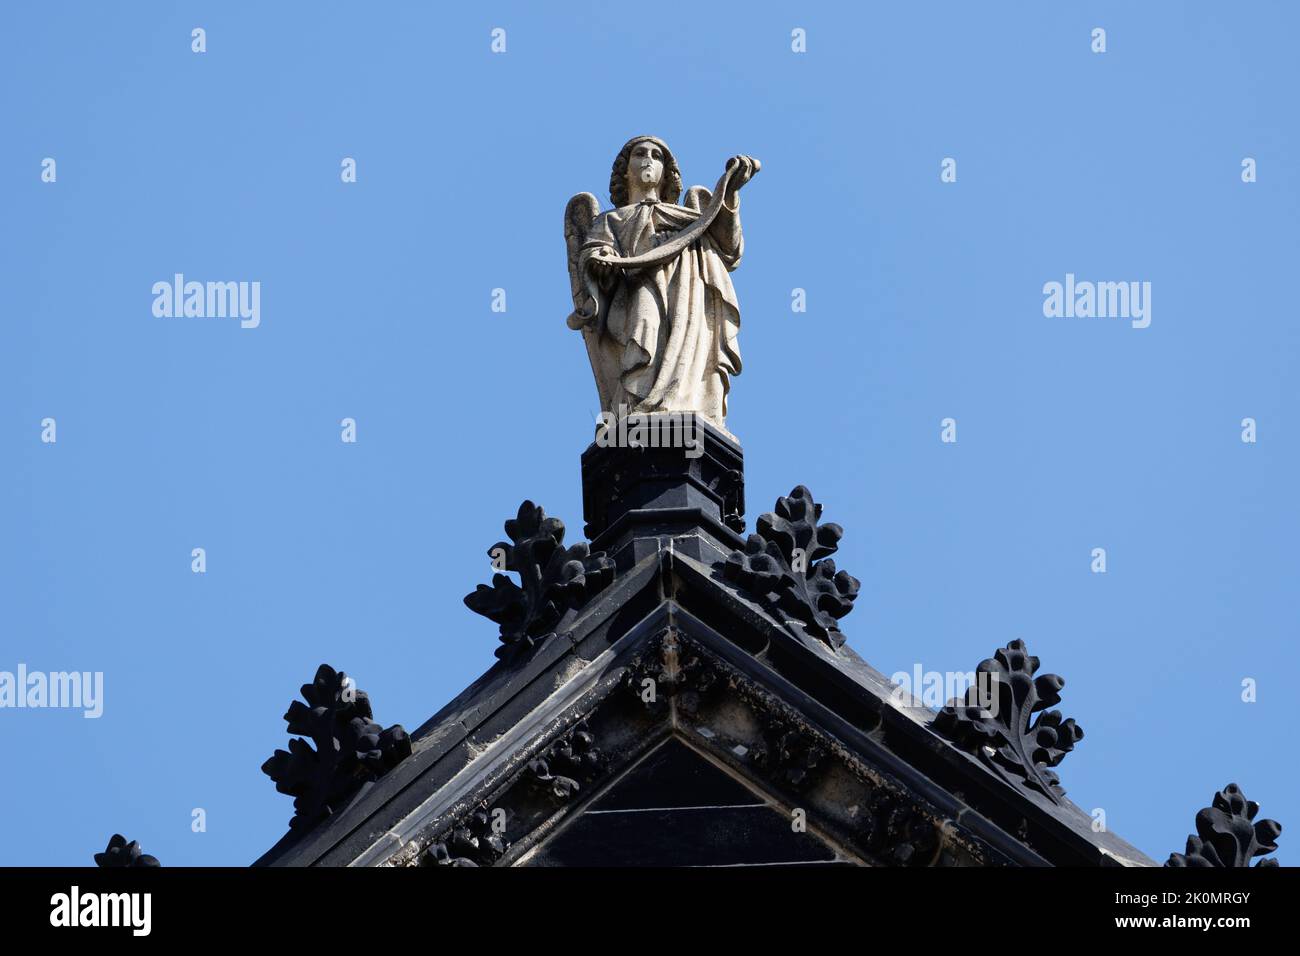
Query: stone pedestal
[[690, 488]]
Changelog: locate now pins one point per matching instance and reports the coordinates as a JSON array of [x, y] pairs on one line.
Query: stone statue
[[651, 290]]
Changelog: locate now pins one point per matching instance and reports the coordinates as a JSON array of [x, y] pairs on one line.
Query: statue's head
[[646, 160]]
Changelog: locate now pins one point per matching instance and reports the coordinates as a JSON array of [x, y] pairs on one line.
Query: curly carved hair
[[669, 190]]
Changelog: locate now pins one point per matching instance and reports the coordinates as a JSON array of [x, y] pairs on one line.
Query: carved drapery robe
[[665, 339]]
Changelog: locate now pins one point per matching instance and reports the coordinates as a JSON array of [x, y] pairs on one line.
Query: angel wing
[[697, 198], [578, 217]]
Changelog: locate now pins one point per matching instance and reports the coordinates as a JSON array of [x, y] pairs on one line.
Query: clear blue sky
[[924, 302]]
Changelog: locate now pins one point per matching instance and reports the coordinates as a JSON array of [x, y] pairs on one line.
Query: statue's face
[[645, 165]]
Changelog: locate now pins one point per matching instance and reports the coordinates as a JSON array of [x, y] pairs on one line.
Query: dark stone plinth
[[631, 491]]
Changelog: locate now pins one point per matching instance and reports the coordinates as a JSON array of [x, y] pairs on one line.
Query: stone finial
[[786, 565], [1227, 834], [995, 720], [351, 749], [553, 579], [120, 854]]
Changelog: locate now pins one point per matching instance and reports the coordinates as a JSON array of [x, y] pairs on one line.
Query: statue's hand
[[746, 167], [602, 268]]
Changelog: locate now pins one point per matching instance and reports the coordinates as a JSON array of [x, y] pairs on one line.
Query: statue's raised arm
[[651, 287]]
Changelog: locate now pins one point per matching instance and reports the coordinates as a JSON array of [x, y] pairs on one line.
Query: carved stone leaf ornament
[[558, 773], [350, 750], [552, 580], [571, 758], [895, 831], [471, 843], [787, 565], [1227, 834], [790, 754], [121, 854], [996, 721]]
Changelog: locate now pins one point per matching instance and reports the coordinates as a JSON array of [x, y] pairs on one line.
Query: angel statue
[[651, 290]]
